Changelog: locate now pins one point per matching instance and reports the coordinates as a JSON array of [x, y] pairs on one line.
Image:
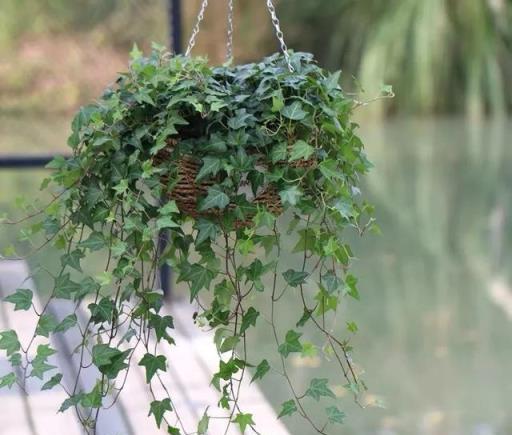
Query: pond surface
[[435, 314]]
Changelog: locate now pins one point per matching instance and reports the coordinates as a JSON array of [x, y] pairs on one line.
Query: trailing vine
[[226, 160]]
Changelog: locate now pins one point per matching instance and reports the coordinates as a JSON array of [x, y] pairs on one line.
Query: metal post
[[175, 34], [175, 26]]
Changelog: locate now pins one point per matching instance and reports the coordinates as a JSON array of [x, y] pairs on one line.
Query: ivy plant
[[249, 129]]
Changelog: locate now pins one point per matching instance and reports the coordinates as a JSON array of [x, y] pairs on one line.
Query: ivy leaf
[[71, 401], [102, 354], [229, 344], [67, 323], [54, 381], [152, 363], [330, 170], [279, 153], [47, 324], [243, 421], [202, 426], [215, 198], [73, 259], [102, 311], [22, 299], [207, 230], [351, 282], [166, 222], [288, 408], [44, 351], [319, 388], [64, 287], [261, 370], [332, 282], [40, 367], [8, 380], [294, 278], [301, 151], [249, 319], [169, 208], [199, 277], [335, 415], [158, 408], [211, 166], [291, 343], [160, 324], [294, 111], [304, 319], [290, 195], [15, 359], [95, 242]]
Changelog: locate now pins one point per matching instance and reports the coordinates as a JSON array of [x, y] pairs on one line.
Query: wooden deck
[[191, 364]]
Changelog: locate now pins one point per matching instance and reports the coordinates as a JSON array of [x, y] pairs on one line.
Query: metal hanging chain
[[279, 33], [195, 31], [229, 47]]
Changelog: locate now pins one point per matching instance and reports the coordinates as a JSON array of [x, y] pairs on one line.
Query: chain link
[[279, 33], [229, 47], [195, 31]]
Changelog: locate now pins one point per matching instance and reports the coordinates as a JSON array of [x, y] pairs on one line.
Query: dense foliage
[[255, 131]]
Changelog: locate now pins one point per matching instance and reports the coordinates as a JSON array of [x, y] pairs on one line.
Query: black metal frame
[[40, 161]]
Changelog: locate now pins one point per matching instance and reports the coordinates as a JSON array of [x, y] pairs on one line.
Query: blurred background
[[436, 306]]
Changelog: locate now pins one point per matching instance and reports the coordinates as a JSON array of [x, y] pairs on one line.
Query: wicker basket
[[187, 191]]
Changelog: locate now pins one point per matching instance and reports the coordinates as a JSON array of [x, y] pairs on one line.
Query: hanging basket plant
[[228, 161]]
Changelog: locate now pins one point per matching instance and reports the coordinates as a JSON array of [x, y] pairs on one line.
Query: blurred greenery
[[439, 55]]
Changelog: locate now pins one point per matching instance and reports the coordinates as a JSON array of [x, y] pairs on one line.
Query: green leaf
[[211, 167], [294, 111], [95, 242], [71, 401], [47, 324], [169, 208], [215, 198], [291, 195], [160, 324], [22, 299], [304, 319], [152, 363], [291, 344], [53, 382], [199, 277], [102, 311], [261, 370], [8, 380], [15, 359], [295, 278], [73, 259], [335, 415], [332, 282], [67, 323], [103, 354], [249, 319], [301, 151], [158, 408], [207, 230], [243, 421], [351, 282], [166, 222], [229, 344], [64, 287], [288, 408], [44, 351], [40, 367], [279, 152], [318, 388], [277, 102], [330, 170], [202, 426]]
